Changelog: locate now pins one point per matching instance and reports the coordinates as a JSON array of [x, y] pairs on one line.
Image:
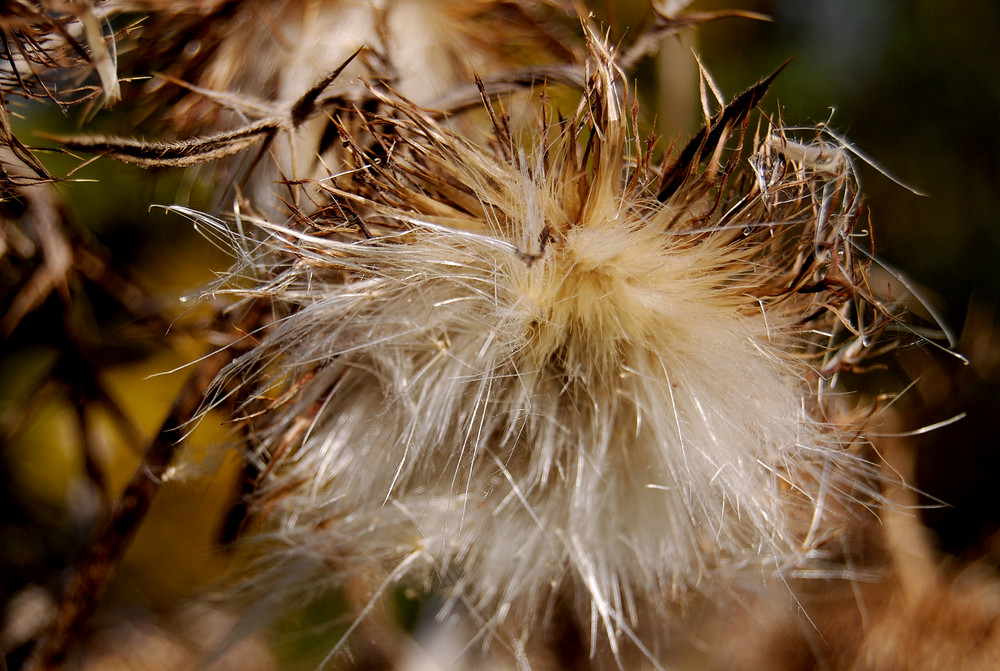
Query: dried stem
[[96, 566]]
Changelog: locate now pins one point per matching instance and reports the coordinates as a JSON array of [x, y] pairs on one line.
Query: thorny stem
[[95, 568]]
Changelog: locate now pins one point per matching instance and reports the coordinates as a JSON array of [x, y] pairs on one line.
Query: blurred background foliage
[[913, 84]]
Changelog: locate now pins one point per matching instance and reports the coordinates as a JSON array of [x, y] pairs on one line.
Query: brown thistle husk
[[253, 77], [47, 44], [49, 51], [547, 374], [253, 52]]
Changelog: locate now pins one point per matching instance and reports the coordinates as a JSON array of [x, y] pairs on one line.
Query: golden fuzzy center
[[591, 294]]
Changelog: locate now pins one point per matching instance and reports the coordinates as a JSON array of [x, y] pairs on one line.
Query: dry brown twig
[[94, 570]]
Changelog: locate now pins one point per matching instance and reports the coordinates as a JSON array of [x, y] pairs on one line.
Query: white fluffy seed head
[[555, 372]]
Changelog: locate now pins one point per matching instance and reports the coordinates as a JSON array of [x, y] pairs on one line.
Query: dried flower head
[[46, 43], [47, 52], [257, 73], [540, 368]]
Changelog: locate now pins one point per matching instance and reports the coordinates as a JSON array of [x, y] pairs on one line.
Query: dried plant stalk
[[95, 569]]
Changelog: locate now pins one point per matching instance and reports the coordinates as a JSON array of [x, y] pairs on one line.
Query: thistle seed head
[[540, 367]]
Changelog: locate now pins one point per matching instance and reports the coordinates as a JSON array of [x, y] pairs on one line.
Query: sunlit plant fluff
[[540, 368]]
